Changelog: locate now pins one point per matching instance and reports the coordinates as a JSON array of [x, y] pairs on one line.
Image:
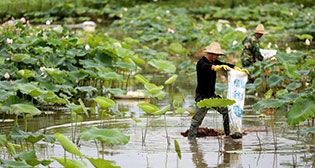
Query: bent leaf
[[109, 136], [69, 163], [25, 108], [163, 110], [141, 79], [105, 102], [101, 163], [148, 108], [171, 79], [163, 65], [302, 109], [67, 145], [19, 135], [177, 149], [215, 103]]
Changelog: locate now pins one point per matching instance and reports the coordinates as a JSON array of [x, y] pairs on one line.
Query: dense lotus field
[[45, 63]]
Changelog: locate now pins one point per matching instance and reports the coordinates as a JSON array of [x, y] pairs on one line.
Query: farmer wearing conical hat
[[207, 68], [251, 44]]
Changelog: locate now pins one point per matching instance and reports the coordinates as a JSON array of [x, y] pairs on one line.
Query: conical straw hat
[[260, 29], [215, 48]]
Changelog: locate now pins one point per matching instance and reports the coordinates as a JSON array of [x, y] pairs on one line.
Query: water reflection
[[197, 155], [231, 159]]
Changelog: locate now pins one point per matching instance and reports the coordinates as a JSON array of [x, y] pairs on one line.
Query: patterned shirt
[[251, 51]]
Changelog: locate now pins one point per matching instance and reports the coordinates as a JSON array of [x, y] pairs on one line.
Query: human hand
[[220, 67]]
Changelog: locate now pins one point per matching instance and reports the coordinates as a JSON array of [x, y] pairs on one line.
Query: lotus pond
[[59, 86]]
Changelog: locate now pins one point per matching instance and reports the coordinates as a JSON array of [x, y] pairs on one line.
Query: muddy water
[[274, 145]]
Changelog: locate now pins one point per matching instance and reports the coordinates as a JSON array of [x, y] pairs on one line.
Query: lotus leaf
[[3, 140], [30, 89], [171, 79], [130, 40], [123, 53], [274, 80], [25, 73], [19, 135], [25, 108], [15, 164], [21, 57], [160, 95], [306, 131], [69, 163], [268, 94], [293, 85], [152, 88], [177, 149], [268, 103], [116, 91], [290, 71], [67, 145], [1, 60], [105, 102], [125, 66], [109, 136], [180, 110], [77, 75], [110, 76], [148, 108], [215, 103], [30, 158], [141, 79], [88, 89], [163, 65], [280, 93], [162, 111], [302, 109], [177, 48], [291, 97]]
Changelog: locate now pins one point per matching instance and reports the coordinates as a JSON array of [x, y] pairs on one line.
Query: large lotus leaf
[[73, 52], [311, 62], [292, 58], [110, 76], [90, 64], [19, 135], [42, 50], [274, 80], [57, 74], [77, 75], [215, 103], [5, 85], [105, 102], [163, 65], [125, 66], [67, 145], [171, 79], [31, 89], [130, 40], [122, 52], [291, 97], [302, 109], [148, 108], [110, 136], [306, 131], [75, 108], [138, 60], [152, 88], [177, 48], [177, 149], [290, 68], [52, 60], [141, 79], [25, 73], [293, 85], [103, 59], [12, 163], [101, 163], [1, 60], [88, 89], [163, 110], [21, 57], [160, 95], [280, 93], [268, 94], [5, 94], [52, 97], [25, 108], [30, 158], [3, 140], [268, 103], [69, 163]]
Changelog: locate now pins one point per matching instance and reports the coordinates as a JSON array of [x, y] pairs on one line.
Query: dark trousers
[[200, 114]]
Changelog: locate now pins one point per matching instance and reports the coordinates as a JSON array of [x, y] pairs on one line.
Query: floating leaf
[[101, 163], [148, 108], [69, 163], [109, 136], [171, 79], [302, 109], [25, 108], [67, 145], [215, 103], [105, 102], [162, 111], [177, 149]]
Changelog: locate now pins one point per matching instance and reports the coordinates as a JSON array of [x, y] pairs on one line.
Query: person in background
[[207, 68], [251, 45]]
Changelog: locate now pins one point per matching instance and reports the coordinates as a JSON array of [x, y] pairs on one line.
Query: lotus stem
[[167, 137], [25, 122], [98, 154]]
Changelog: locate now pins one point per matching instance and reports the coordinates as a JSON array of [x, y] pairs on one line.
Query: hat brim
[[211, 52]]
